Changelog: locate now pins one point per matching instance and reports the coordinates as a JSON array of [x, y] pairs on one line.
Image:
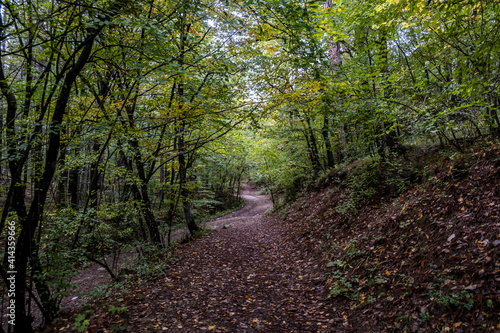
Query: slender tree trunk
[[181, 128], [493, 120], [184, 192], [94, 176], [142, 190], [61, 195], [313, 146], [73, 181], [325, 131]]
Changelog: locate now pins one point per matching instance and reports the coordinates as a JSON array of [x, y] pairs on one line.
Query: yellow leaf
[[212, 327]]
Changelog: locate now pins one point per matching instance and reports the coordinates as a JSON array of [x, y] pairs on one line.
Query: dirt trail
[[245, 277], [95, 275], [255, 206]]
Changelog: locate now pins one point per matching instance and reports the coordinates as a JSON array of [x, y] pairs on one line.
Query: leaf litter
[[423, 261]]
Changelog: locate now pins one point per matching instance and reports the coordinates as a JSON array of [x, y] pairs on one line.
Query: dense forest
[[121, 121]]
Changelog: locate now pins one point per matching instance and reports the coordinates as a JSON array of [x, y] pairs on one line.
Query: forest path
[[95, 275], [248, 277], [255, 207]]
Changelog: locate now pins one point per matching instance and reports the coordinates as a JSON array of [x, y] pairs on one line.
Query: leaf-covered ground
[[248, 276], [423, 261]]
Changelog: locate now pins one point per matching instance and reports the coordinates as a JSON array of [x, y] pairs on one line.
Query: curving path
[[249, 276], [255, 206], [95, 275]]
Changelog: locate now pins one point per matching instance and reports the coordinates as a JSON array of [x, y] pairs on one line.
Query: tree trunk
[[493, 120], [184, 192], [94, 177], [313, 146], [325, 131], [74, 179], [183, 166]]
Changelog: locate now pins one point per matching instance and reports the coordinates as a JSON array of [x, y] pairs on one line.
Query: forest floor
[[424, 260], [95, 276], [248, 276]]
